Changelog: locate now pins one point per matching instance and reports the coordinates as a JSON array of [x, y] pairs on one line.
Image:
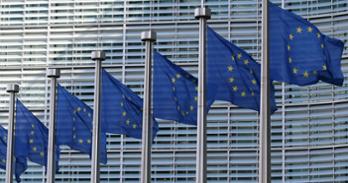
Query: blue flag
[[174, 92], [121, 109], [233, 75], [299, 53], [74, 124], [31, 138], [20, 167], [3, 147]]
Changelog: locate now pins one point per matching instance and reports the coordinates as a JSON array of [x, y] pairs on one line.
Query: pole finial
[[98, 55], [53, 73], [202, 13], [149, 36], [12, 88]]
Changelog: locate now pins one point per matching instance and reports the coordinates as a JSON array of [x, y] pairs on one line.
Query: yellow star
[[124, 113], [235, 88], [230, 68], [290, 60], [134, 126], [321, 45], [309, 29], [84, 109], [299, 30], [128, 122], [183, 113], [178, 76], [291, 37], [32, 132], [305, 74], [253, 81], [246, 62], [324, 67], [80, 141], [294, 70], [289, 47], [74, 136], [196, 88], [315, 72], [252, 94], [78, 109], [34, 149], [239, 55], [31, 141], [42, 154], [173, 88], [232, 58], [318, 35], [178, 108], [231, 79], [191, 108], [32, 126], [173, 80], [196, 98], [88, 141], [243, 94]]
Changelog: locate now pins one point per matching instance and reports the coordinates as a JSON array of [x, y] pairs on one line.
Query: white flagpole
[[265, 125], [202, 14], [98, 57], [148, 37], [12, 89], [51, 165]]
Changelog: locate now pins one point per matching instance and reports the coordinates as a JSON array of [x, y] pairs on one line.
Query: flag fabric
[[31, 138], [121, 109], [74, 124], [232, 74], [174, 92], [299, 53], [3, 147], [332, 73], [20, 166]]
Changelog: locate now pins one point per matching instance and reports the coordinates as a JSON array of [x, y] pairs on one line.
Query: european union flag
[[233, 75], [174, 92], [299, 53], [121, 109], [31, 138], [74, 124]]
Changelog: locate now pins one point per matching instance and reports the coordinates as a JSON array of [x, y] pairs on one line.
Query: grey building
[[309, 130]]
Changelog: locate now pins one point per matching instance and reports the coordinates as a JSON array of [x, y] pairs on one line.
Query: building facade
[[309, 130]]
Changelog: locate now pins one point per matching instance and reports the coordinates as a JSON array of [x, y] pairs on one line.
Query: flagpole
[[202, 14], [265, 125], [148, 37], [98, 57], [12, 89], [51, 165]]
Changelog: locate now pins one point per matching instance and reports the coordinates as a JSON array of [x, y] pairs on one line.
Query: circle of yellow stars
[[126, 119], [239, 59], [184, 112], [291, 37], [34, 149], [80, 140]]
